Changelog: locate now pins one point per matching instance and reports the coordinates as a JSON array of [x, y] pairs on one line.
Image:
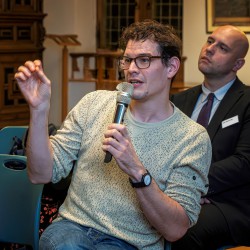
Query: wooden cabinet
[[21, 39]]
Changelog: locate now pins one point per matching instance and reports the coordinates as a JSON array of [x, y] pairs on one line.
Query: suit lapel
[[191, 100], [233, 94]]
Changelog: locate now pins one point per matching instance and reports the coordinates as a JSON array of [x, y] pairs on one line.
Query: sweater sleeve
[[189, 177], [67, 142]]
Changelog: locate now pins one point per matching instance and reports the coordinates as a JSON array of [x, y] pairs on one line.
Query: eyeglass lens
[[141, 62]]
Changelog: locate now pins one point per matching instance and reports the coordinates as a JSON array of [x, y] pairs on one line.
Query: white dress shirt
[[218, 96]]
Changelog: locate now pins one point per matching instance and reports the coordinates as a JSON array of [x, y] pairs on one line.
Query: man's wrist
[[146, 180]]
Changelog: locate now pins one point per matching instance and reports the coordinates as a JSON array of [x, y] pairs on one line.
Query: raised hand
[[34, 85]]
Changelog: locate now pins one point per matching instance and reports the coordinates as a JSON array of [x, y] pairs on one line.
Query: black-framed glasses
[[142, 62]]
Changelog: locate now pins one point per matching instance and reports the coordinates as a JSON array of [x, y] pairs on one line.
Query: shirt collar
[[219, 93]]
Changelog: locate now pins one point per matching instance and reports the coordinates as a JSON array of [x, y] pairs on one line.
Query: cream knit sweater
[[176, 151]]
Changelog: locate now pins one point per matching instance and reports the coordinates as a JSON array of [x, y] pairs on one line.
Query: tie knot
[[210, 96]]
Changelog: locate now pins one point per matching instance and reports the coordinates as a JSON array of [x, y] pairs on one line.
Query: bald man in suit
[[225, 213]]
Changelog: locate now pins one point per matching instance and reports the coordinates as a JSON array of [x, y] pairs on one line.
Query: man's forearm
[[39, 150], [165, 214]]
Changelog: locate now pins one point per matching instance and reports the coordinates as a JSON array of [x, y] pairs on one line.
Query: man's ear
[[238, 64], [173, 66]]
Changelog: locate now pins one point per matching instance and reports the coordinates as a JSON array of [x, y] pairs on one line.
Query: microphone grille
[[125, 91], [125, 87]]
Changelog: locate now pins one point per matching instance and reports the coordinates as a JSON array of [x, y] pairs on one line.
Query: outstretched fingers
[[40, 72], [31, 69], [34, 84]]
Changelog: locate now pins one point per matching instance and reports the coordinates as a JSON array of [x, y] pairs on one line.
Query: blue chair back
[[20, 203], [6, 137]]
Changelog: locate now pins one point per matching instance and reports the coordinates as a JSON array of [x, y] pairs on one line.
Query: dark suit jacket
[[229, 175]]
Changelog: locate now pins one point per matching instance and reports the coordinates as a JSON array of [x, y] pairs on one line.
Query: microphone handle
[[119, 115], [108, 157]]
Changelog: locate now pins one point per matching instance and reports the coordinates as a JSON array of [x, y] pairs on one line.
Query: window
[[114, 15]]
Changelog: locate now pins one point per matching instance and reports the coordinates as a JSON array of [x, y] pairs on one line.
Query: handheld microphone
[[123, 99]]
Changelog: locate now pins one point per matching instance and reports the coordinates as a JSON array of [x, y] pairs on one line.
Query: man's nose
[[132, 65], [211, 47]]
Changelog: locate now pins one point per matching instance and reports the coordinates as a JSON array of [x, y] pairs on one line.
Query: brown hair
[[163, 34]]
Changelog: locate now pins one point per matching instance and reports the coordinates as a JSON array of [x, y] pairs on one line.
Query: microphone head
[[125, 90], [125, 87]]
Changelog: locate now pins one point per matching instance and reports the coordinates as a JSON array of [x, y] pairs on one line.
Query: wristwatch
[[145, 181]]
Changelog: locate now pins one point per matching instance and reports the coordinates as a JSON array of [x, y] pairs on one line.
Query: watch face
[[147, 180]]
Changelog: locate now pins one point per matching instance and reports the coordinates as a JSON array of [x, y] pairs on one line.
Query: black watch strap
[[145, 181]]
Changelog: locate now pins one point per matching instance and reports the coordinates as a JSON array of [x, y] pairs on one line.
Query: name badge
[[230, 121]]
